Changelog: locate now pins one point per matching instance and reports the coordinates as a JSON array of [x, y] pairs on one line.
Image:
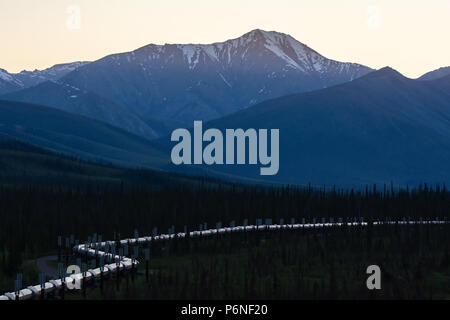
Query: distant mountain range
[[154, 89], [173, 85], [340, 123], [380, 128], [10, 82]]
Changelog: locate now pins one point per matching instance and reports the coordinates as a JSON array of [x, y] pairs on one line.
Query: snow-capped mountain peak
[[273, 47], [207, 81]]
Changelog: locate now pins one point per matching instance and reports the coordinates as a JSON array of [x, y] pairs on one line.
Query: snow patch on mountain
[[26, 79], [5, 76]]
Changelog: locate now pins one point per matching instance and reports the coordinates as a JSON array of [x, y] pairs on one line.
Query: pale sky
[[412, 36]]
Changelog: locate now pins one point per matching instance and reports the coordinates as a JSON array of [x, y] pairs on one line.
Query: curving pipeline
[[119, 263]]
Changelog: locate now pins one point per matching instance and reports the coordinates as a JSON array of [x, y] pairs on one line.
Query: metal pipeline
[[125, 263]]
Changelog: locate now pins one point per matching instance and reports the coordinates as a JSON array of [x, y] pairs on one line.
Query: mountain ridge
[[71, 99], [76, 135], [436, 74], [10, 82]]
